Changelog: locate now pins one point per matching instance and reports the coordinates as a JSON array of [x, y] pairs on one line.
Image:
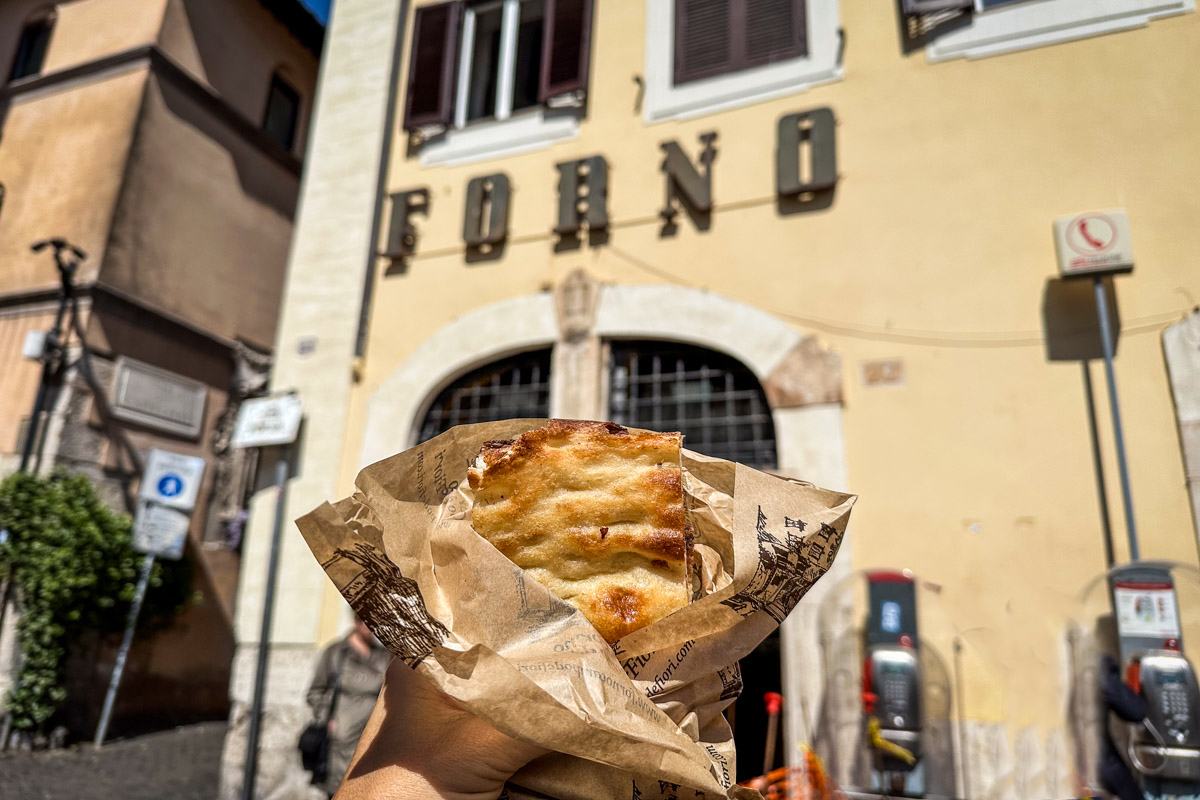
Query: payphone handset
[[892, 682], [1166, 744], [894, 679], [1168, 683]]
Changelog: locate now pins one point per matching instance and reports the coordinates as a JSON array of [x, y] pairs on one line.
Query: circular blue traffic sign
[[170, 485]]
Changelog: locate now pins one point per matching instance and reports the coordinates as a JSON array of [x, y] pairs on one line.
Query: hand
[[332, 727], [420, 744]]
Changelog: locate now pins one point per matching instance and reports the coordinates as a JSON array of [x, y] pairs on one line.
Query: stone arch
[[493, 331], [802, 379]]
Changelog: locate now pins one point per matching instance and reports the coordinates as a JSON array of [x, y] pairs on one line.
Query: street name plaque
[[157, 398]]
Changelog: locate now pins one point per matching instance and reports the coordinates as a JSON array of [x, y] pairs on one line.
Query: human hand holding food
[[420, 744]]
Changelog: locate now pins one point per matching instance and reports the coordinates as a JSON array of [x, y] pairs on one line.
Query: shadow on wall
[[168, 680], [1071, 329], [261, 177]]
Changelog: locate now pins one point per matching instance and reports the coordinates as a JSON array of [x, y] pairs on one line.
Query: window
[[717, 37], [283, 111], [501, 59], [498, 61], [704, 56], [715, 401], [31, 49], [1004, 26], [510, 389]]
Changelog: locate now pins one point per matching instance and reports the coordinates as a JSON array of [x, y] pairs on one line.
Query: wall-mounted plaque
[[157, 398]]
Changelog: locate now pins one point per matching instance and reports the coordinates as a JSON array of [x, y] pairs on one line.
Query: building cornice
[[101, 295], [168, 69]]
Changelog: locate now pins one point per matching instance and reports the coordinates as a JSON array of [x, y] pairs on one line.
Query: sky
[[319, 7]]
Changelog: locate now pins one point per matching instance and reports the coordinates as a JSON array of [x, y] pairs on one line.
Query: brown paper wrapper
[[638, 719]]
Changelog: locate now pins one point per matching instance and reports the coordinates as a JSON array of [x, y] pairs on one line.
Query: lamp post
[[67, 258]]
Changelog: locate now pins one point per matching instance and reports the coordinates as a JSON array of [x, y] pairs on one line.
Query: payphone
[[892, 684], [1164, 747]]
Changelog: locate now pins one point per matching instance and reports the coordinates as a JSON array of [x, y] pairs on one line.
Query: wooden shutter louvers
[[566, 48], [433, 65], [717, 37], [913, 7]]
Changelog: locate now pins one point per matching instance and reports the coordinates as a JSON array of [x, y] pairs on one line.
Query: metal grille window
[[714, 400], [510, 389]]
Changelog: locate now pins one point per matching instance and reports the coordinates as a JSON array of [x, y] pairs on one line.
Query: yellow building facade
[[901, 319]]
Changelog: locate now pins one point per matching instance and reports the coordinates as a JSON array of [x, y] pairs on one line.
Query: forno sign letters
[[805, 164]]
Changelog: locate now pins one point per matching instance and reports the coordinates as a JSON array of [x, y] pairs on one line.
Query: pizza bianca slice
[[594, 512]]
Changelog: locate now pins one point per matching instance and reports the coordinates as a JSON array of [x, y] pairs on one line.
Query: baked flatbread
[[594, 512]]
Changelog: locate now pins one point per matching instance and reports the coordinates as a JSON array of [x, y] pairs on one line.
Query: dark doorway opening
[[761, 673]]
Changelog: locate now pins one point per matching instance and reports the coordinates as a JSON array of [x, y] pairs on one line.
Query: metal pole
[[963, 759], [1098, 463], [1118, 432], [66, 273], [134, 610], [264, 636]]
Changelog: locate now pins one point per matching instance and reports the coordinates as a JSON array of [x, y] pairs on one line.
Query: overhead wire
[[934, 338], [977, 339]]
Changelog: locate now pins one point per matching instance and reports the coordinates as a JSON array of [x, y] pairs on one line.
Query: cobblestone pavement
[[180, 764]]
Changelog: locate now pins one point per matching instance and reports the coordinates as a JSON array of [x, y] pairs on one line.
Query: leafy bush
[[73, 568]]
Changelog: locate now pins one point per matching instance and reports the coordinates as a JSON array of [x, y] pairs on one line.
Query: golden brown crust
[[595, 512]]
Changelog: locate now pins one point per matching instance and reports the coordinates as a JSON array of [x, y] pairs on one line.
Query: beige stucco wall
[[204, 221], [204, 214], [976, 472], [89, 29], [84, 30], [19, 376], [235, 47], [61, 160]]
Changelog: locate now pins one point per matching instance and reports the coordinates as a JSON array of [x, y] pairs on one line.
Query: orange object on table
[[809, 782]]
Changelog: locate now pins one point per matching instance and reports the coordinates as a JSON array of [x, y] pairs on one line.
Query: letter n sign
[[812, 133]]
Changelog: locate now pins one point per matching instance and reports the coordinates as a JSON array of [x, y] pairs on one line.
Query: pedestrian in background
[[344, 688]]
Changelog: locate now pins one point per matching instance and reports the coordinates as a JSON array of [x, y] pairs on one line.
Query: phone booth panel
[[1134, 674], [886, 713]]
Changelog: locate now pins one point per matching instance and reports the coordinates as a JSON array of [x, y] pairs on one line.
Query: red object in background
[[869, 698], [1133, 675], [774, 701], [1171, 644], [888, 576]]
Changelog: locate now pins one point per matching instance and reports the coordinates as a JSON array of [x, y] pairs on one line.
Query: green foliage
[[74, 570]]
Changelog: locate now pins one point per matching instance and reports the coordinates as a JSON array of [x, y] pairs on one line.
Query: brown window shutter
[[433, 66], [912, 7], [716, 37], [775, 30], [703, 38], [566, 48]]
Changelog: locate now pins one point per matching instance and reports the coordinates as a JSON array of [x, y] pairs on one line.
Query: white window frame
[[1036, 23], [505, 134], [664, 100]]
